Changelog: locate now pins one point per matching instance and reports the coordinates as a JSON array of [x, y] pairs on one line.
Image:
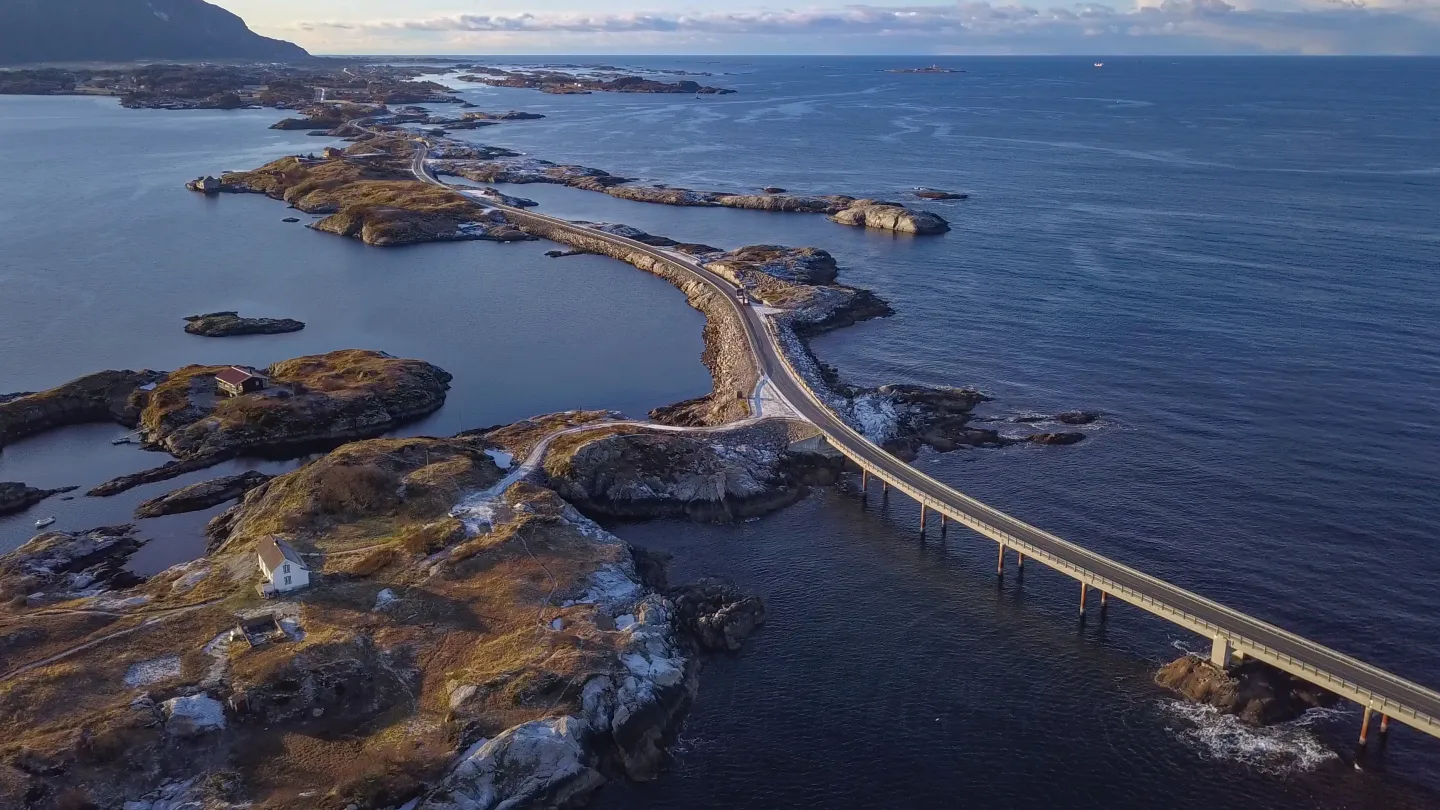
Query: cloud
[[1300, 26]]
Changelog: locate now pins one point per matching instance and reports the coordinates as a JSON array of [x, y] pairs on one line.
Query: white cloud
[[1180, 26]]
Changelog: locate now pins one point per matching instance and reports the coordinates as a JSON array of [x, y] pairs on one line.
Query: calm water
[[1235, 260]]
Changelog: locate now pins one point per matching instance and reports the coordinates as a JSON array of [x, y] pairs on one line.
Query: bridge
[[1234, 635]]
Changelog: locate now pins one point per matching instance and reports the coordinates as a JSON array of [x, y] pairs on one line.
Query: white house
[[281, 568]]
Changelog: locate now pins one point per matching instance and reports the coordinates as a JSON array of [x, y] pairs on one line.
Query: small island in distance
[[930, 69]]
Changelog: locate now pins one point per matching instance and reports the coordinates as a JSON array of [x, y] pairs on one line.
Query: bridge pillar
[[1083, 593], [1384, 725], [944, 523], [864, 480], [1220, 651], [1000, 566], [1020, 562], [924, 513], [1365, 727]]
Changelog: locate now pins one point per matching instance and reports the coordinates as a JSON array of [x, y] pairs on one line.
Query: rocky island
[[562, 83], [526, 653], [17, 497], [230, 324]]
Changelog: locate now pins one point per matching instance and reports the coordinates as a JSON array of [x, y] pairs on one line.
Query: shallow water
[[1233, 259]]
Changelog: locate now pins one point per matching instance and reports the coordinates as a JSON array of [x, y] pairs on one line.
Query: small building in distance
[[333, 153], [235, 381], [281, 569]]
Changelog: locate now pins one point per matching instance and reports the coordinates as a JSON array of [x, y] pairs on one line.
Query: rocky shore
[[108, 396], [230, 324]]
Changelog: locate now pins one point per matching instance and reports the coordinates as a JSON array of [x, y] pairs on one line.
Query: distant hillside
[[123, 30]]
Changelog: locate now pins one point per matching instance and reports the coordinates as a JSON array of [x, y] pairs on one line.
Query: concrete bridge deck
[[1232, 633]]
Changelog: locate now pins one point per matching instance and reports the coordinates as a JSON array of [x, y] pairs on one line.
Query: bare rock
[[202, 495], [1077, 417], [17, 497], [543, 763], [1254, 691], [716, 614], [230, 324], [890, 217], [60, 565]]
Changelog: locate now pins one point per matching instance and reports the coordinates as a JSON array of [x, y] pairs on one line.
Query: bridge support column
[[944, 523], [1384, 725], [924, 513], [1000, 566], [1020, 562], [1084, 592], [1220, 651], [1104, 604], [864, 480], [1365, 727]]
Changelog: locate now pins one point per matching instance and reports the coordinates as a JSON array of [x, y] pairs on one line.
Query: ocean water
[[1235, 260]]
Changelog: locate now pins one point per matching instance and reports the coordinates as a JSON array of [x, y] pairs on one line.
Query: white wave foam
[[1279, 749]]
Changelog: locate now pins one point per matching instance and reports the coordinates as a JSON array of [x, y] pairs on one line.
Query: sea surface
[[1237, 261]]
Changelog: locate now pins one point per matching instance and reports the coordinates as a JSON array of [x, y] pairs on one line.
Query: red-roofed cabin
[[235, 381]]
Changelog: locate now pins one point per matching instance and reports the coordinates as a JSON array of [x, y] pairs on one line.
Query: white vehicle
[[742, 296]]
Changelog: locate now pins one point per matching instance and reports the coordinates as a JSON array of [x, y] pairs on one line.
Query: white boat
[[43, 522], [1099, 64]]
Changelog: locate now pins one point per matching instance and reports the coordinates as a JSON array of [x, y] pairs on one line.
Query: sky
[[919, 27]]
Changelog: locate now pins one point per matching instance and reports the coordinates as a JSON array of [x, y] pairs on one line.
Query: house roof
[[235, 375], [276, 553]]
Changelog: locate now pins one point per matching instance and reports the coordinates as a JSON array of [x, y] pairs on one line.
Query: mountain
[[125, 30]]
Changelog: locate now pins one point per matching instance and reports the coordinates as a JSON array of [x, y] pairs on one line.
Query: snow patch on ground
[[502, 459], [154, 670], [194, 714], [192, 576], [384, 599]]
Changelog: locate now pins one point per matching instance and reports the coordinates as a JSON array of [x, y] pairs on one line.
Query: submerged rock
[[1056, 438], [230, 324], [936, 194], [1077, 417], [1253, 691], [202, 495]]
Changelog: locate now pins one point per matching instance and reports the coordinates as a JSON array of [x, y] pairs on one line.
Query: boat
[[43, 522], [1099, 64]]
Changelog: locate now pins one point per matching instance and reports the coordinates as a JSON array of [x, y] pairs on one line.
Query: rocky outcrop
[[716, 614], [109, 396], [325, 398], [165, 472], [719, 476], [17, 497], [1253, 691], [890, 217], [230, 324], [806, 265], [543, 763], [506, 199], [1077, 417], [202, 495], [56, 566]]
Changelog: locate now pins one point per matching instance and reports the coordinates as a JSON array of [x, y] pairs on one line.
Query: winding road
[[1233, 633]]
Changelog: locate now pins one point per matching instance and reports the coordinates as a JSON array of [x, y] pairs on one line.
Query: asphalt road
[[1242, 629]]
